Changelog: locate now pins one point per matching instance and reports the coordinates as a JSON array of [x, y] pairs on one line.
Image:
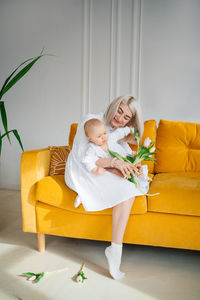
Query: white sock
[[113, 254]]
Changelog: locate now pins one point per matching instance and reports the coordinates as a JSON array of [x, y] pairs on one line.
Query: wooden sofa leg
[[41, 242]]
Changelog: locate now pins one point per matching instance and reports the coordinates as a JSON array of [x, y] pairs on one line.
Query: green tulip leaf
[[115, 154], [29, 274], [39, 276]]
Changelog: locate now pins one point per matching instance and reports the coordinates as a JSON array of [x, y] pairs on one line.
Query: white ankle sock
[[113, 254]]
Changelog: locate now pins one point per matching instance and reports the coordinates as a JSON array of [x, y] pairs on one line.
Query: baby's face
[[98, 135]]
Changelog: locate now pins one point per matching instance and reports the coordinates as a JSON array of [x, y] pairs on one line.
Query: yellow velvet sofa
[[170, 219]]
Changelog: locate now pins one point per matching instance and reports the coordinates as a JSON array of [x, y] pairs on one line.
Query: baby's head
[[95, 131]]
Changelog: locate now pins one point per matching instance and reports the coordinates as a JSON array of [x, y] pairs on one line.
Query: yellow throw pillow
[[59, 155], [178, 147]]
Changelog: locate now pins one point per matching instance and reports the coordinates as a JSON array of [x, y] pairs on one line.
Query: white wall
[[170, 60], [93, 43], [97, 46]]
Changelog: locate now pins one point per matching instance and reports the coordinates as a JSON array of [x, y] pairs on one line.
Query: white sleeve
[[119, 133], [126, 147], [90, 158]]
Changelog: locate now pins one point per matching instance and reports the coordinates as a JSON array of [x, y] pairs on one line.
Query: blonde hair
[[133, 104], [90, 124]]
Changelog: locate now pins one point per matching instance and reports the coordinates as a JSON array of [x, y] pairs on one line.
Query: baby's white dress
[[98, 192], [94, 152]]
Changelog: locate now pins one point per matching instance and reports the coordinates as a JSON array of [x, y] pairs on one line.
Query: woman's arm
[[124, 167], [119, 133], [104, 162]]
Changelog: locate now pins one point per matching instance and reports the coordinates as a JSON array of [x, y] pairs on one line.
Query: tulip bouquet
[[144, 153]]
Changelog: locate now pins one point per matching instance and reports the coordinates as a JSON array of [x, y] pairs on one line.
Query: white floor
[[151, 272]]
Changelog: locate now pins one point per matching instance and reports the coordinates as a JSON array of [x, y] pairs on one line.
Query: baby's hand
[[98, 170]]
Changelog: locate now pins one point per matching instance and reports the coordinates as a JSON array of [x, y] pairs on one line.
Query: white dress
[[98, 192]]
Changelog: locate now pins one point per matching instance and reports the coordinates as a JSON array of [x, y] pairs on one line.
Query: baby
[[100, 142]]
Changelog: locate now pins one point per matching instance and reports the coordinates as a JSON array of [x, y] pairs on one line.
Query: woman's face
[[122, 116]]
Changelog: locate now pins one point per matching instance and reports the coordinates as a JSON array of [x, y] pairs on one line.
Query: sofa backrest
[[72, 134], [177, 146], [149, 131]]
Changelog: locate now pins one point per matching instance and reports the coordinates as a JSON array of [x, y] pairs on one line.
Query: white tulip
[[152, 149], [32, 278], [134, 153], [147, 142], [79, 279], [132, 130]]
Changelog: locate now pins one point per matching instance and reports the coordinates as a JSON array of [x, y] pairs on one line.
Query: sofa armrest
[[34, 166]]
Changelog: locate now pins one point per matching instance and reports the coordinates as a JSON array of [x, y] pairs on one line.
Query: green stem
[[83, 265], [56, 271]]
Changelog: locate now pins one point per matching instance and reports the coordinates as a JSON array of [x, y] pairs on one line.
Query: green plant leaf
[[19, 76], [4, 119], [6, 81], [6, 134], [18, 138], [0, 142], [15, 132]]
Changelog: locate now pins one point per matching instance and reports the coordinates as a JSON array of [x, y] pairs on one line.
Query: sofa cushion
[[178, 146], [53, 191], [149, 131], [59, 155], [179, 193]]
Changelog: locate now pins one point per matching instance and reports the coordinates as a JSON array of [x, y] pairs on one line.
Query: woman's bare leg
[[113, 253], [120, 216]]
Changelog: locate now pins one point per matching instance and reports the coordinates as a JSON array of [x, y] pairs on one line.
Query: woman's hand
[[125, 168], [139, 169], [115, 171]]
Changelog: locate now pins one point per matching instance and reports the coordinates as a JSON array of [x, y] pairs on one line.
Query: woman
[[108, 190]]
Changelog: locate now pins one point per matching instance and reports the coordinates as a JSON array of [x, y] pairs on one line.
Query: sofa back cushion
[[149, 131], [177, 146], [72, 134]]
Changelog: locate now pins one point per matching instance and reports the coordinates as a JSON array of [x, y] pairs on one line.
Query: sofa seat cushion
[[52, 190], [179, 193]]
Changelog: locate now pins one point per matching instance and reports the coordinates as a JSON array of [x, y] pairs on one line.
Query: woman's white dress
[[98, 192]]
